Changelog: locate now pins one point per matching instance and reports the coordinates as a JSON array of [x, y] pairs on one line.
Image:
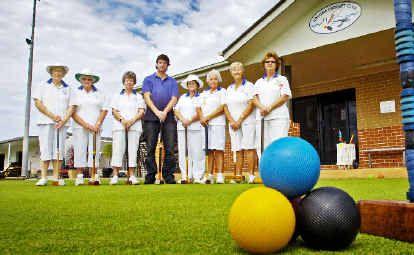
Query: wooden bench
[[387, 149]]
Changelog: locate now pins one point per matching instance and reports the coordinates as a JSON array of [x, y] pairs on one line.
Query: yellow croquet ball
[[262, 220]]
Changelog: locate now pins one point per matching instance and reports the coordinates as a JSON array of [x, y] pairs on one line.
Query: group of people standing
[[251, 110]]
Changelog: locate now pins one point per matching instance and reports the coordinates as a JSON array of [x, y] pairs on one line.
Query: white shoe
[[41, 182], [61, 182], [114, 180], [220, 178], [133, 180], [79, 180], [97, 179], [210, 178], [197, 181], [233, 182], [251, 179]]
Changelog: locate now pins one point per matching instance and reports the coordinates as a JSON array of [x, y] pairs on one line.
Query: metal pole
[[25, 162], [404, 46]]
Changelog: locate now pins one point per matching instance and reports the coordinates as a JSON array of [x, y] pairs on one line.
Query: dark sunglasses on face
[[270, 62]]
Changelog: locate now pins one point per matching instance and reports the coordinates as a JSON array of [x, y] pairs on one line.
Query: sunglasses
[[87, 79], [270, 62]]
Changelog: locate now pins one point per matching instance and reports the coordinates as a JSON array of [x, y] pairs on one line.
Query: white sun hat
[[191, 77], [57, 65], [87, 72]]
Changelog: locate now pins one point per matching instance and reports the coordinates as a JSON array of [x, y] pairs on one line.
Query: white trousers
[[244, 138], [83, 147], [119, 144], [196, 162], [48, 142], [273, 130]]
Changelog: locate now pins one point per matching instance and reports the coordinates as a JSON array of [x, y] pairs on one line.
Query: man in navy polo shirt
[[160, 95]]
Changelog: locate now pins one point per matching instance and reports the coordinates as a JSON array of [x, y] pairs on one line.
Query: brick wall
[[373, 138], [375, 129]]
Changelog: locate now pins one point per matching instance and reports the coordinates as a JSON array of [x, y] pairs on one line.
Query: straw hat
[[49, 68]]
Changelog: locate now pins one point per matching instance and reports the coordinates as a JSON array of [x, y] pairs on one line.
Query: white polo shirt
[[54, 98], [238, 99], [88, 105], [186, 105], [128, 106], [210, 101], [268, 91]]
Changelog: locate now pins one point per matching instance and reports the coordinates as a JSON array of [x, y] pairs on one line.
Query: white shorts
[[216, 137], [273, 130], [244, 138], [48, 142], [83, 147], [118, 147]]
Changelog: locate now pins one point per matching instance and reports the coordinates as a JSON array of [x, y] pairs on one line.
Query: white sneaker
[[210, 178], [79, 180], [133, 180], [220, 178], [251, 179], [197, 181], [233, 182], [41, 182], [114, 180], [97, 179], [61, 182]]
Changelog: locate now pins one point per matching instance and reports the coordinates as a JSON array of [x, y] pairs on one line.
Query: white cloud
[[92, 34]]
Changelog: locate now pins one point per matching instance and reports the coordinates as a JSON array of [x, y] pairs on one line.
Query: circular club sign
[[335, 17]]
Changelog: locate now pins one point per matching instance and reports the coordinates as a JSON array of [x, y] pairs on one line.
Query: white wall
[[294, 35]]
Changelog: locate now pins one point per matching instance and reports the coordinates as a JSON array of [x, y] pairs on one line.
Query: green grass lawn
[[151, 219]]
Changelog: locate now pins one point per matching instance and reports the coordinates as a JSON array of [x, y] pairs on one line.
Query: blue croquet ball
[[290, 165]]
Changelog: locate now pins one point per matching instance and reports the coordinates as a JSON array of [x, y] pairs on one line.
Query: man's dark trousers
[[151, 134]]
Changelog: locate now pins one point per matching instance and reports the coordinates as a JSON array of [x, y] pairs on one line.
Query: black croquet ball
[[328, 219]]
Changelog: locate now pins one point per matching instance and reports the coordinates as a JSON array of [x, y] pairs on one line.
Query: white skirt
[[244, 138], [118, 147], [216, 137]]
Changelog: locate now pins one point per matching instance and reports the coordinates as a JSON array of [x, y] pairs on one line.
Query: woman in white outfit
[[88, 118], [128, 107], [52, 100], [242, 124], [186, 114], [211, 112], [272, 92]]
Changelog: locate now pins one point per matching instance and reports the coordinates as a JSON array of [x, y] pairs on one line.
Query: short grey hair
[[216, 73], [236, 64]]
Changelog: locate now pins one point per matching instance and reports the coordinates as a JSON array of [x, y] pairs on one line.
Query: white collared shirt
[[54, 98], [186, 105], [128, 106], [210, 101], [237, 100], [268, 91], [88, 105]]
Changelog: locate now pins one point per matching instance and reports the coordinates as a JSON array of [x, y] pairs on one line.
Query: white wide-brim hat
[[192, 77], [49, 68], [87, 72]]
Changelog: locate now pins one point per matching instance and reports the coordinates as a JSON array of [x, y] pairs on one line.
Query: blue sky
[[111, 37]]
